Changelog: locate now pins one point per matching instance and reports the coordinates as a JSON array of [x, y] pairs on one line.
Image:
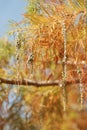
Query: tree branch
[[34, 83]]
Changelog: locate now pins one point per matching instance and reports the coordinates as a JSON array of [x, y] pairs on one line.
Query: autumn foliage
[[51, 45]]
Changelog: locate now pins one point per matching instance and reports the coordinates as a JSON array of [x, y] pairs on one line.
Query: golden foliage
[[43, 55]]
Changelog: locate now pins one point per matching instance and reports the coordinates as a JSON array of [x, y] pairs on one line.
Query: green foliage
[[6, 51], [33, 7]]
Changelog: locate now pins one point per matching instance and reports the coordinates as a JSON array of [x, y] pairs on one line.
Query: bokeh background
[[10, 10]]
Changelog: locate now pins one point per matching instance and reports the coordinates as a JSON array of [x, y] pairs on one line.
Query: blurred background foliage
[[34, 54]]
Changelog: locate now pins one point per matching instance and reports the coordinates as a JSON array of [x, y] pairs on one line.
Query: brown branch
[[34, 83]]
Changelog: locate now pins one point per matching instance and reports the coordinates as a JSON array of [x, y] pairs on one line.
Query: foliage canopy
[[50, 45]]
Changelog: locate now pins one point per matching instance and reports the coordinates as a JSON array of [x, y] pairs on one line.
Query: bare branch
[[35, 83]]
